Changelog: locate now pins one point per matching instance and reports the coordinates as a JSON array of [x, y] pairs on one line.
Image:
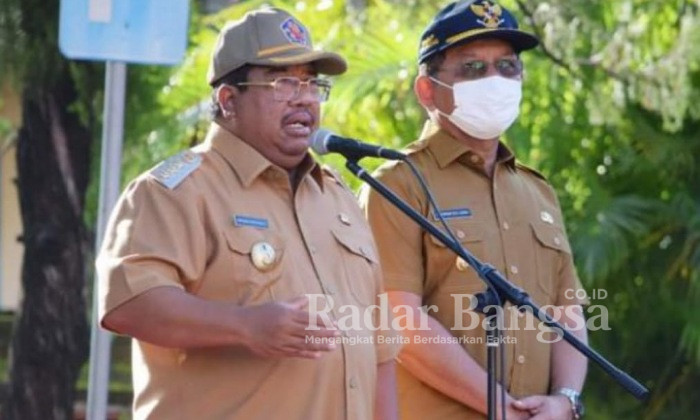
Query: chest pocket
[[358, 257], [552, 246], [256, 263], [446, 272]]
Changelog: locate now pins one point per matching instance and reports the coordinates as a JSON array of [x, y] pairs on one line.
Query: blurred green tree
[[50, 336]]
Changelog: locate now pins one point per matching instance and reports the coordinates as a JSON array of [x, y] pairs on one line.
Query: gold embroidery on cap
[[460, 36], [280, 48], [296, 57], [428, 42]]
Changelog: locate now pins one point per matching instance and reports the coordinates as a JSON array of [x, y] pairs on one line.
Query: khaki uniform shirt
[[198, 236], [511, 221]]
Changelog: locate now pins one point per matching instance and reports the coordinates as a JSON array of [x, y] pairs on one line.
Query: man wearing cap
[[506, 214], [213, 259]]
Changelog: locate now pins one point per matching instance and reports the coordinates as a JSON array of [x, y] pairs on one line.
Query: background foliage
[[611, 115]]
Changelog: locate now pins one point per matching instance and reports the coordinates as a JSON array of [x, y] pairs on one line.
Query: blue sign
[[132, 31]]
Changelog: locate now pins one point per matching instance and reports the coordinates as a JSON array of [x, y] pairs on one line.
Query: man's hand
[[513, 413], [278, 329], [546, 407]]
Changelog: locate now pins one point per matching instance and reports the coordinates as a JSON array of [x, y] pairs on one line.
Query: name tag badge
[[249, 221], [461, 213]]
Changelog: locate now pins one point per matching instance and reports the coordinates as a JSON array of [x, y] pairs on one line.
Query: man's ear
[[425, 91], [226, 98]]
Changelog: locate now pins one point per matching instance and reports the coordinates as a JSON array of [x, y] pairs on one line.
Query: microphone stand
[[499, 290]]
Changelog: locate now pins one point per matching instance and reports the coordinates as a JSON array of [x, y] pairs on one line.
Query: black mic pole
[[501, 286]]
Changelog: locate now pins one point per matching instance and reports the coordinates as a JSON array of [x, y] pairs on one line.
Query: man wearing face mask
[[506, 214]]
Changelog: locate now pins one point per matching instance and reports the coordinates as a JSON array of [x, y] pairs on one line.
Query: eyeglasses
[[287, 88], [476, 69]]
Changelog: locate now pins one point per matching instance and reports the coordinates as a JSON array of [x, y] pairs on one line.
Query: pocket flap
[[551, 236], [464, 232], [241, 240], [358, 242]]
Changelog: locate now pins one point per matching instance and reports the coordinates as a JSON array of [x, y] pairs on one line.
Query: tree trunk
[[51, 335]]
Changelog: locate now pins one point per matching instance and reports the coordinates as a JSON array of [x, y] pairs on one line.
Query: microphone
[[324, 141]]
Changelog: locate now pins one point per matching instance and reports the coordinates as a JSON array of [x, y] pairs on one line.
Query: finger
[[303, 330], [299, 302], [529, 403], [325, 335], [300, 316], [309, 346], [314, 329], [314, 343], [279, 353], [318, 319], [305, 354], [268, 353], [324, 320]]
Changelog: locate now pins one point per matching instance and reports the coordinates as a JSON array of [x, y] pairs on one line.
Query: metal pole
[[110, 170]]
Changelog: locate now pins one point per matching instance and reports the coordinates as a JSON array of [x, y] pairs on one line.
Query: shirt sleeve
[[387, 345], [398, 238], [569, 291], [154, 238]]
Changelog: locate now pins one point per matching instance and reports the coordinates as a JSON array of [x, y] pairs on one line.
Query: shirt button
[[474, 158], [353, 383], [329, 289], [460, 234], [521, 359], [506, 226], [514, 269], [312, 249], [344, 219], [557, 240], [364, 251]]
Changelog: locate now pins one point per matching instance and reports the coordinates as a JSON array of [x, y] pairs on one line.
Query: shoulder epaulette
[[173, 170], [532, 171], [416, 146], [332, 173]]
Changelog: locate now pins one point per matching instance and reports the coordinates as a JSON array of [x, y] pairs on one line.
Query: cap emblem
[[489, 13], [294, 32]]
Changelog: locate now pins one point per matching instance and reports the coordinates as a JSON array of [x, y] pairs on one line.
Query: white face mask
[[484, 108]]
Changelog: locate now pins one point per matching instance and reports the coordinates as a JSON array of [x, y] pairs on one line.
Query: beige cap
[[268, 37]]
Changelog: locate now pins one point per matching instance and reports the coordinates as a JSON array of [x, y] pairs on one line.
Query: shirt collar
[[248, 163], [447, 149]]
